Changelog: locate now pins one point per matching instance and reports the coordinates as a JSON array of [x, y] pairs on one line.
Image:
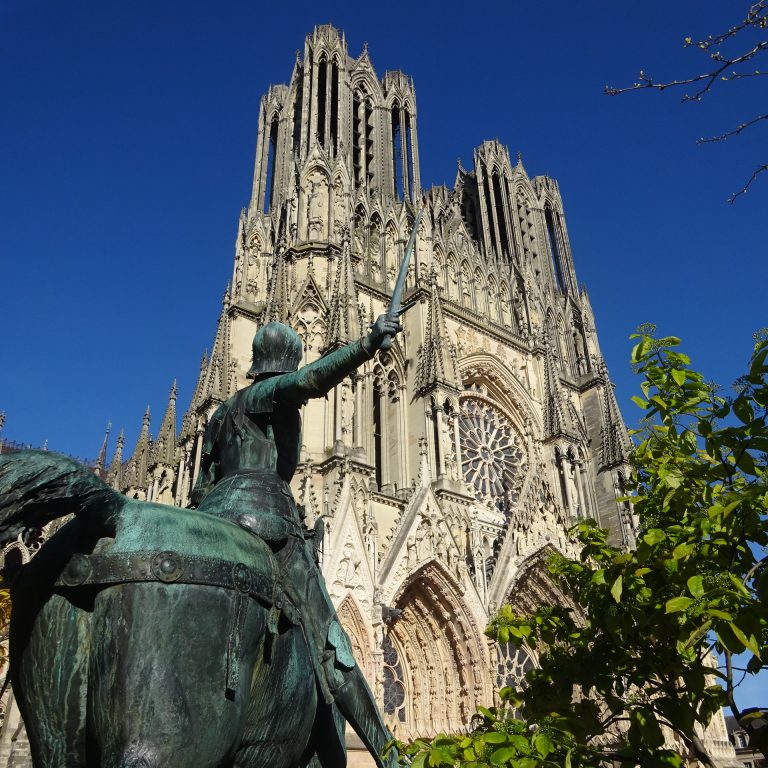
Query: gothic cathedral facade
[[445, 468]]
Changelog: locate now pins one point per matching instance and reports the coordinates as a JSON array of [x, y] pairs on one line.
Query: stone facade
[[445, 468]]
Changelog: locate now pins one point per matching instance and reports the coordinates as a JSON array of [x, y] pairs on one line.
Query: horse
[[150, 636]]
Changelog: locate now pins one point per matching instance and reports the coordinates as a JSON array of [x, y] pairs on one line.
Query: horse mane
[[37, 487]]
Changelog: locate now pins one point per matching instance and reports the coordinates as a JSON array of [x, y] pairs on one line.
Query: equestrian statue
[[145, 635]]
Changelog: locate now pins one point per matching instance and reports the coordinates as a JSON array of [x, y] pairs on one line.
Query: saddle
[[159, 543]]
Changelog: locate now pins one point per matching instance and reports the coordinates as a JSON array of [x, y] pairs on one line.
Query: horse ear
[[37, 487]]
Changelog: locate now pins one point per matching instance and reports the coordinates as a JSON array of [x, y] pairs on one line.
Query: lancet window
[[499, 215], [554, 249], [388, 431], [394, 682], [271, 155], [397, 153]]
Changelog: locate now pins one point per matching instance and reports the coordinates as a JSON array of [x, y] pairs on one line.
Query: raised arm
[[316, 379]]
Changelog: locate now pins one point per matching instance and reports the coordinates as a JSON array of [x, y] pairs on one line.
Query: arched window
[[322, 77], [388, 445], [513, 664], [334, 106], [297, 109], [409, 151], [358, 133], [271, 152], [489, 212], [500, 216], [397, 153], [394, 682], [554, 249]]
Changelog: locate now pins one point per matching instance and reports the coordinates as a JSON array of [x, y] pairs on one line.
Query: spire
[[115, 474], [188, 422], [437, 355], [556, 418], [136, 471], [164, 448], [278, 294], [101, 460], [344, 318], [219, 381], [616, 445]]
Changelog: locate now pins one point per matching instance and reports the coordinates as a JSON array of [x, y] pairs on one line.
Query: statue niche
[[316, 200]]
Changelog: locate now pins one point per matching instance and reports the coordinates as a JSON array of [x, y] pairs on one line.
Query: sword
[[395, 306]]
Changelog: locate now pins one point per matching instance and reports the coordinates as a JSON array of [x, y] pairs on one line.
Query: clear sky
[[126, 152]]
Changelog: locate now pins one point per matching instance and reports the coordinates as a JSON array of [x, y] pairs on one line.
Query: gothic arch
[[533, 586], [351, 618], [388, 446], [442, 651], [503, 387]]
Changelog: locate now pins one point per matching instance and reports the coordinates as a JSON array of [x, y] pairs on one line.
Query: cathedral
[[447, 467]]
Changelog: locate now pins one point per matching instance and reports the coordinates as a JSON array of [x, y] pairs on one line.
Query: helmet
[[276, 349]]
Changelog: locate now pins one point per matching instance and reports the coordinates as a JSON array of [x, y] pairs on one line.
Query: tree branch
[[735, 132], [709, 78], [755, 16], [743, 190]]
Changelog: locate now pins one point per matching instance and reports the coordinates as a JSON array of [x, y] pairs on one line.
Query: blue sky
[[126, 153]]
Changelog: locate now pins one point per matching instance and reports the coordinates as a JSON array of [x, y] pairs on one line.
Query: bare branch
[[735, 132], [743, 190], [743, 75], [708, 78], [755, 18]]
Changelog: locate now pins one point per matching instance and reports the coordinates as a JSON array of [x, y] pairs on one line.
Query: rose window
[[492, 453]]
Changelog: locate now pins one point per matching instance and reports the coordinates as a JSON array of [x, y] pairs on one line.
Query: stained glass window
[[394, 683], [492, 454], [513, 663]]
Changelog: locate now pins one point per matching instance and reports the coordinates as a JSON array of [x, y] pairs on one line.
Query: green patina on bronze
[[145, 635]]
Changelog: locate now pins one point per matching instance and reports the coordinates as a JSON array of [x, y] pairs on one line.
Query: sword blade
[[397, 293]]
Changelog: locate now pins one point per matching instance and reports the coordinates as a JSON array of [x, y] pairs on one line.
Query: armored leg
[[355, 701]]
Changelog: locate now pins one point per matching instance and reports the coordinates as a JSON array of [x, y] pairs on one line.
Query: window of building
[[394, 682], [554, 249], [397, 154], [271, 152], [322, 75], [492, 453], [513, 663]]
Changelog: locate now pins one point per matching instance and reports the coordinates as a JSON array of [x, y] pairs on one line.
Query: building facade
[[446, 468]]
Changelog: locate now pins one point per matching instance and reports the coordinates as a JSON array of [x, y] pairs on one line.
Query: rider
[[250, 452]]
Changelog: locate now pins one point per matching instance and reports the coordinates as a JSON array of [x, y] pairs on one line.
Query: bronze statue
[[149, 636]]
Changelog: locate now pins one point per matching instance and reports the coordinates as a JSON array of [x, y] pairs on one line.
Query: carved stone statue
[[148, 636]]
